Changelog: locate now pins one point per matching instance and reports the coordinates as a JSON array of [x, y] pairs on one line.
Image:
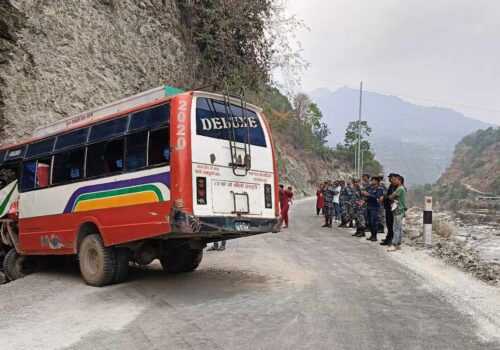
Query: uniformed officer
[[371, 197], [358, 208]]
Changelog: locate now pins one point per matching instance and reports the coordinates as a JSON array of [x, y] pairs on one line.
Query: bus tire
[[17, 266], [97, 262], [182, 260], [122, 259]]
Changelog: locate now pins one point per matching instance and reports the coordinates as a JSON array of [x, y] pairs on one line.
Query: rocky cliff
[[476, 162], [59, 57]]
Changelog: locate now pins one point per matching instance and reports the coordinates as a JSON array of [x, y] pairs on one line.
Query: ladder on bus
[[241, 160]]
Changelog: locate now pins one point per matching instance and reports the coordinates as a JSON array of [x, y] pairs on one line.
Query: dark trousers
[[318, 210], [372, 216], [336, 210], [389, 221]]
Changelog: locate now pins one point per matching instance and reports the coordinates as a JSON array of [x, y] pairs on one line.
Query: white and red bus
[[154, 176]]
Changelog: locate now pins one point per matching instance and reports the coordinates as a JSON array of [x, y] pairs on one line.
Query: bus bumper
[[184, 223]]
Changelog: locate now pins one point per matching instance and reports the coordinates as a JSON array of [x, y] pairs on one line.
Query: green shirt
[[401, 193]]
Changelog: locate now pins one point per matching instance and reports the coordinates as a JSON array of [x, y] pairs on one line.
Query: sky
[[447, 51]]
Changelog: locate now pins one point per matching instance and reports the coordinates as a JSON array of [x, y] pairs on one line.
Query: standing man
[[358, 208], [328, 193], [284, 197], [372, 197], [336, 200], [381, 212], [320, 200], [389, 218], [344, 201], [365, 186], [399, 198]]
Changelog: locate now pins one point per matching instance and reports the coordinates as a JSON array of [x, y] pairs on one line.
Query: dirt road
[[305, 288]]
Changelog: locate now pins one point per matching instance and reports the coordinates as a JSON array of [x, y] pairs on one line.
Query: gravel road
[[305, 288]]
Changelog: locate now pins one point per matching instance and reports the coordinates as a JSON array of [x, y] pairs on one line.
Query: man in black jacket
[[389, 218]]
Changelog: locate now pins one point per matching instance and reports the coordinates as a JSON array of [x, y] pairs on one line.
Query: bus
[[157, 175]]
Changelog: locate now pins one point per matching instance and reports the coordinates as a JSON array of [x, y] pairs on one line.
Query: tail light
[[268, 196], [201, 190]]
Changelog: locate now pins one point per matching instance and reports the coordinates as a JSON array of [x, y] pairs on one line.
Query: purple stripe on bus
[[163, 178]]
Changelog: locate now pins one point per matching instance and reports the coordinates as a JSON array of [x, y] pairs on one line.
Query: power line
[[407, 96]]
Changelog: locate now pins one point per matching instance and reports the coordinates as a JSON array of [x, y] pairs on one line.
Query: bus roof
[[114, 108]]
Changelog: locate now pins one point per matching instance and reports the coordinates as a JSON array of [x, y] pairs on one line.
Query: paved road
[[305, 288]]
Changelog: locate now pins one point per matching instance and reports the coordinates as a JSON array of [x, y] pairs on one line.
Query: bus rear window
[[211, 121]]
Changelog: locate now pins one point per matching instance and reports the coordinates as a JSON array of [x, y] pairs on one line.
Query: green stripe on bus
[[118, 192], [6, 200]]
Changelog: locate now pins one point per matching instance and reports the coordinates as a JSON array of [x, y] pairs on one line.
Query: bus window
[[43, 172], [159, 149], [72, 139], [108, 129], [40, 148], [105, 158], [68, 166], [28, 179], [137, 147], [150, 117]]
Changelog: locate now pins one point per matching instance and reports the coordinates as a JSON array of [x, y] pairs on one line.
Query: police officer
[[389, 218], [343, 200], [358, 208], [371, 197]]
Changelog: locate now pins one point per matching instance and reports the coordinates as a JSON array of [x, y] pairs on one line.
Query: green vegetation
[[346, 152]]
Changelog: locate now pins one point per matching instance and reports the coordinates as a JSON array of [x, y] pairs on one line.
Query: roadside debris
[[472, 248]]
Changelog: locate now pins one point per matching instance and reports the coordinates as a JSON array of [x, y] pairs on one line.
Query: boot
[[330, 223], [342, 224], [326, 222], [356, 233], [350, 224], [360, 232], [373, 238]]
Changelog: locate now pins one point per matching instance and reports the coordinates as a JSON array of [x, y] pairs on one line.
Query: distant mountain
[[414, 140]]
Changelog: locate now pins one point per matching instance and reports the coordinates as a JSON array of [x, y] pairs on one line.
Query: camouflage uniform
[[344, 199], [358, 210]]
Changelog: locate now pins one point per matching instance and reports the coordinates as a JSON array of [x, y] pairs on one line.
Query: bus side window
[[28, 179], [137, 148], [43, 172], [68, 166], [105, 158], [159, 147]]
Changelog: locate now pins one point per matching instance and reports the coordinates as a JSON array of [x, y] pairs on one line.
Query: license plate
[[242, 226]]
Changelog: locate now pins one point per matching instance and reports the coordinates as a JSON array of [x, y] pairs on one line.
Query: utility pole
[[359, 129], [355, 161], [362, 161]]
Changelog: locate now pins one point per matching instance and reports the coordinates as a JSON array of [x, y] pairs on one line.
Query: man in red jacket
[[320, 200], [284, 197]]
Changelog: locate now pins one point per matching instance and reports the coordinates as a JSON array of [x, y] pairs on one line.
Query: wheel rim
[[92, 263]]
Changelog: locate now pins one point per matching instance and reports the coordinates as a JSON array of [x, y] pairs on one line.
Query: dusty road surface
[[305, 288]]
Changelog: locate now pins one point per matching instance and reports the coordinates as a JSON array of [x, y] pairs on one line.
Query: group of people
[[366, 204]]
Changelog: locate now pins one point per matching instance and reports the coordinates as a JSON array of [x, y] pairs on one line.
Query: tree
[[351, 134]]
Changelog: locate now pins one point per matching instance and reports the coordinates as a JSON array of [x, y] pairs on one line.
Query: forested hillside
[[474, 171]]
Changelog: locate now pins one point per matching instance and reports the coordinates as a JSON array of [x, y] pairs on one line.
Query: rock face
[[59, 57]]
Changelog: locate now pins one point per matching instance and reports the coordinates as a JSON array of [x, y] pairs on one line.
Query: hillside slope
[[414, 140], [476, 162], [60, 57]]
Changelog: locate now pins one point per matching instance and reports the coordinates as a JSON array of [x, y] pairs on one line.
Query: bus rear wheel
[[17, 266], [181, 260], [97, 262]]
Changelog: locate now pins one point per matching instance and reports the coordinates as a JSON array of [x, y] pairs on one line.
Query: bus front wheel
[[97, 262], [182, 260], [17, 266]]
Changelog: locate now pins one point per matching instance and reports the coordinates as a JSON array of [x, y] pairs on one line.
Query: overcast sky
[[444, 50]]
